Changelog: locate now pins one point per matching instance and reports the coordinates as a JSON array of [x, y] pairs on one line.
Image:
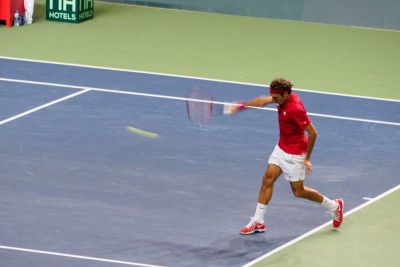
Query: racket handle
[[240, 106], [227, 109]]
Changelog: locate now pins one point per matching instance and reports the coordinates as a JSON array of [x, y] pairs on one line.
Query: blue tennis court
[[79, 190]]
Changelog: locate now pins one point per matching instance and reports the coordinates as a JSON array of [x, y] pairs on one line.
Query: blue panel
[[366, 13], [392, 20], [280, 9], [363, 13]]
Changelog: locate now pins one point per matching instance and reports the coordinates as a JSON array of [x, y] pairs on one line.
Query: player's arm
[[312, 136], [259, 101]]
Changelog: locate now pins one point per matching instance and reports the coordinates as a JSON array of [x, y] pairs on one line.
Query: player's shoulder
[[296, 103], [295, 97]]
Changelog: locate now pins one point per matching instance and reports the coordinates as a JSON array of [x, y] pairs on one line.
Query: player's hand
[[236, 108], [308, 165], [233, 110]]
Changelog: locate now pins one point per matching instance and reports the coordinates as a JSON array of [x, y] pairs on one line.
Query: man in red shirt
[[291, 156]]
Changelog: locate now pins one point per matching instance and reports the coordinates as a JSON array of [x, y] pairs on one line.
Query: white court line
[[184, 99], [368, 198], [77, 256], [353, 119], [189, 77], [43, 106], [320, 227]]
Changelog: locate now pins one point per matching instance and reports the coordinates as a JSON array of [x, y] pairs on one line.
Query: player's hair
[[281, 84]]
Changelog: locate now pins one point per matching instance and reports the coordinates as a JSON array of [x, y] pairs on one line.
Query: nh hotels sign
[[73, 11]]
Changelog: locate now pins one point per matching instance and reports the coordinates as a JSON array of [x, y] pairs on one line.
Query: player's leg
[[334, 207], [267, 187], [256, 223], [294, 171], [301, 191]]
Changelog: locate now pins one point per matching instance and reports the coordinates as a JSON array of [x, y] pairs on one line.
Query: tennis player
[[291, 156]]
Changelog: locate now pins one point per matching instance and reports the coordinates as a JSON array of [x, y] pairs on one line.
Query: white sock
[[329, 204], [260, 212]]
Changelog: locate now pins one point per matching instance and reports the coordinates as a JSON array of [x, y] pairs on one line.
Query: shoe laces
[[335, 213], [252, 224]]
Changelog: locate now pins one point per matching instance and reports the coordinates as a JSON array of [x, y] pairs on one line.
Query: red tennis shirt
[[293, 119]]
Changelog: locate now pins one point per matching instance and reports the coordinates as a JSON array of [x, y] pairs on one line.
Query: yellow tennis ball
[[141, 132]]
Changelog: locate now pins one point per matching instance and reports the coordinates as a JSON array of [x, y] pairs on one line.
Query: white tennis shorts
[[292, 165]]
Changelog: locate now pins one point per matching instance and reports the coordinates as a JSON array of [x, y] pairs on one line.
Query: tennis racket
[[201, 107]]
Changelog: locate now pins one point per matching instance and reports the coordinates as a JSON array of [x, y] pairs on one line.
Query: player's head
[[280, 86], [280, 90]]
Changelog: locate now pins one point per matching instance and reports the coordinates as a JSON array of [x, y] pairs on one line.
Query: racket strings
[[199, 107]]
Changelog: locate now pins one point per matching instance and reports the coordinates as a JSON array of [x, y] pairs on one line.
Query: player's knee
[[298, 193], [268, 181]]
